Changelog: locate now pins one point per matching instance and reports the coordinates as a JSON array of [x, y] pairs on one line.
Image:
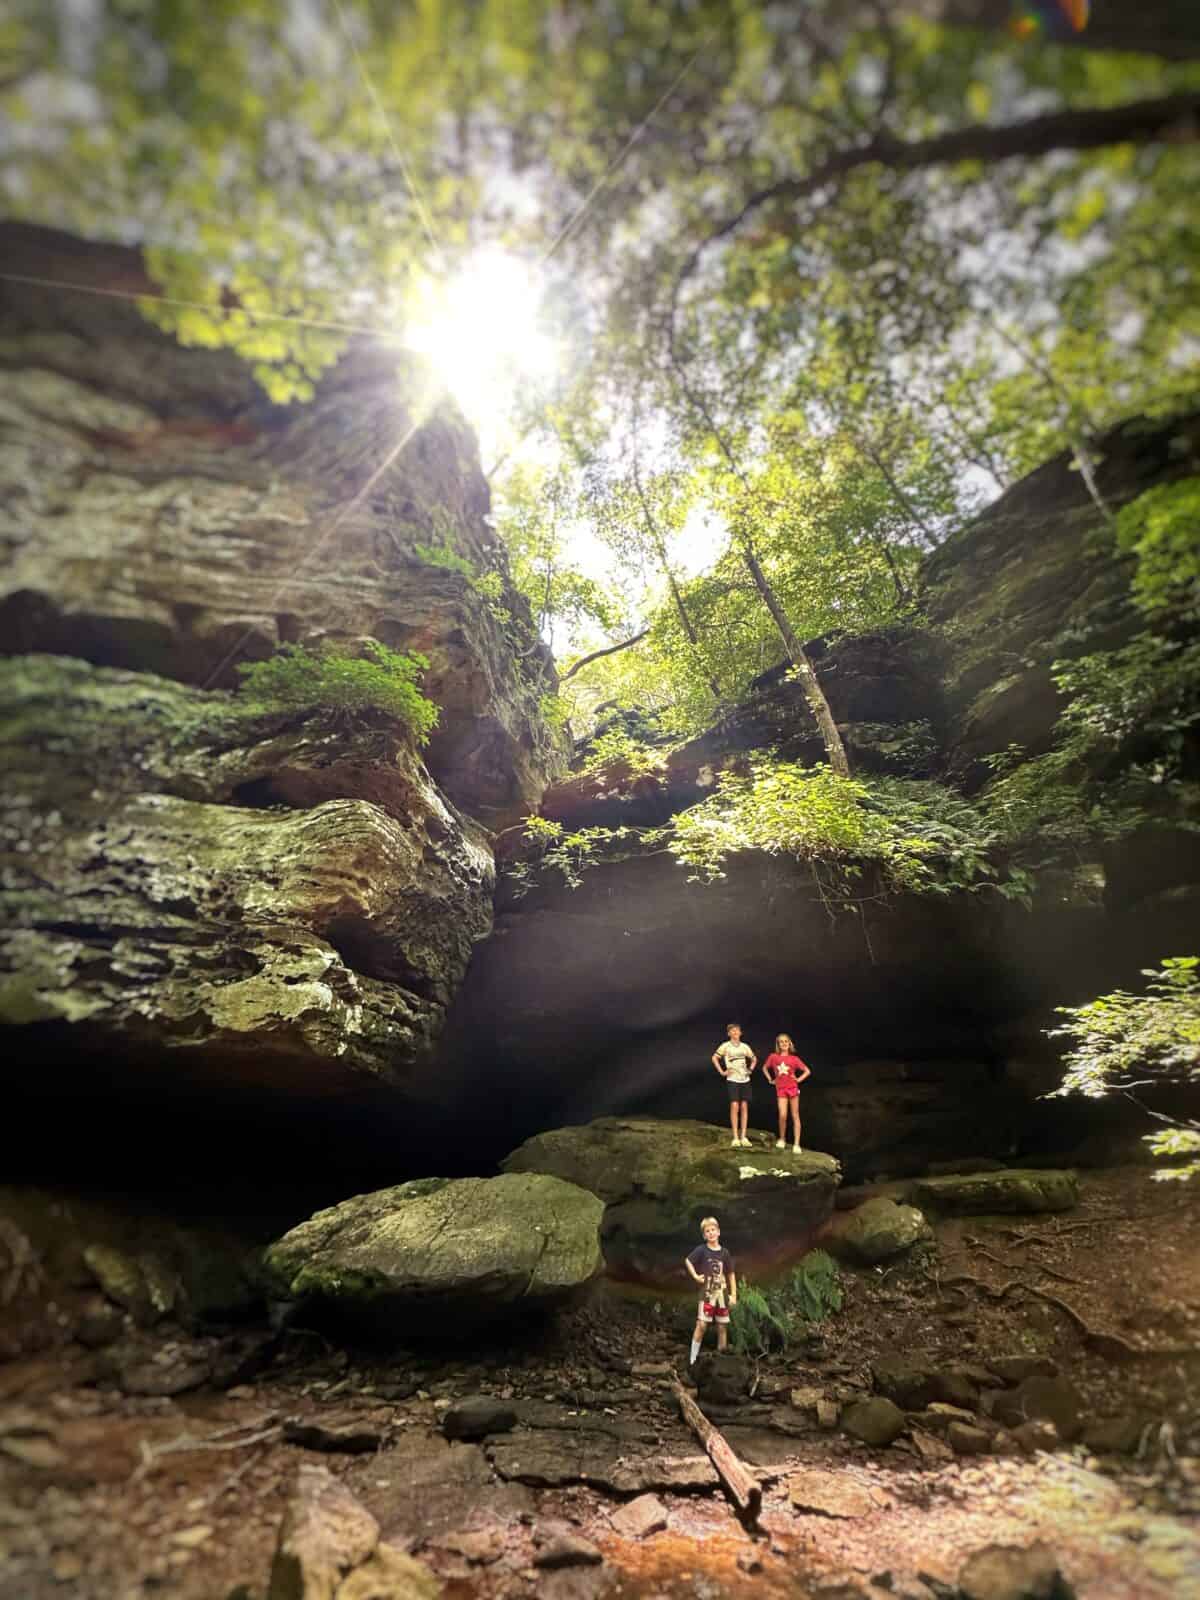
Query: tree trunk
[[676, 595], [813, 691]]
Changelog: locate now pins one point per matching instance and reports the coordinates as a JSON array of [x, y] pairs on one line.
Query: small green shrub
[[554, 711], [443, 555], [767, 1319], [616, 745], [1161, 529], [568, 854], [1123, 1041], [312, 679], [754, 1328], [814, 1287]]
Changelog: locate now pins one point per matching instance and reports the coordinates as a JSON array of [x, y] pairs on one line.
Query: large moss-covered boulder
[[876, 1231], [658, 1179], [1012, 1190], [468, 1249]]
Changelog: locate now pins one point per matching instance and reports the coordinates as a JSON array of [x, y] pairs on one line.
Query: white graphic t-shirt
[[737, 1058]]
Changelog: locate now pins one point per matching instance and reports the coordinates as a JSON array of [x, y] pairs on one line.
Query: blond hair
[[790, 1040], [705, 1221]]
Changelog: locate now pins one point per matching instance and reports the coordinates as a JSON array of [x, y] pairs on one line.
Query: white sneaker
[[779, 1144], [735, 1143], [796, 1150], [745, 1144]]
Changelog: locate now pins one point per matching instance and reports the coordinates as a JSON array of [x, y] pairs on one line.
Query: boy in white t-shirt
[[735, 1062]]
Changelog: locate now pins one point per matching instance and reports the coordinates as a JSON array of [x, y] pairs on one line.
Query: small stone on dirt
[[388, 1574], [567, 1550], [965, 1440], [877, 1231], [477, 1415], [66, 1567], [192, 1538], [829, 1494], [1008, 1572], [640, 1517], [324, 1535], [1055, 1400], [929, 1447], [1115, 1435], [723, 1378], [956, 1389], [40, 1453], [480, 1545], [98, 1325], [876, 1421], [828, 1413], [1036, 1435], [907, 1380]]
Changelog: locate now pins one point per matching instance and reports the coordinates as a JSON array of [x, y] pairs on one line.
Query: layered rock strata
[[288, 899], [314, 935]]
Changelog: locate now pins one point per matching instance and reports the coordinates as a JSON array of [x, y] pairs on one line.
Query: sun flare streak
[[484, 335]]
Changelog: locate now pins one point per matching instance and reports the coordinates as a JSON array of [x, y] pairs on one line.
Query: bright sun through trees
[[483, 332]]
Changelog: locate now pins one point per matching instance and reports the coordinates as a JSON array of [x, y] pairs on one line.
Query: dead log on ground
[[741, 1483]]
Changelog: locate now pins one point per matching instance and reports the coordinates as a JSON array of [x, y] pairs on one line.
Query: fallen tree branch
[[740, 1482], [608, 650]]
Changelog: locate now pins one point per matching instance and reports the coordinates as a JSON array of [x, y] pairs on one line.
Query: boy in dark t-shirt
[[711, 1266]]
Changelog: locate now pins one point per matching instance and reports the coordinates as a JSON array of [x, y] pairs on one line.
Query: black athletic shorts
[[737, 1091]]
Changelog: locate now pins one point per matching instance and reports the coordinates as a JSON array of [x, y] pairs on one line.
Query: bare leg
[[733, 1118], [745, 1109], [783, 1111], [796, 1119], [722, 1335]]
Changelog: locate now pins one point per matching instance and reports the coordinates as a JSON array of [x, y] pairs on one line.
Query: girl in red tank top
[[784, 1068]]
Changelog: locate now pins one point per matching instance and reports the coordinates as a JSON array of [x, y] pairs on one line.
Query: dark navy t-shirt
[[715, 1267]]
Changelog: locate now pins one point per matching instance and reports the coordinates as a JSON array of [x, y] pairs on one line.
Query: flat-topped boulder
[[472, 1249], [659, 1178], [1012, 1190]]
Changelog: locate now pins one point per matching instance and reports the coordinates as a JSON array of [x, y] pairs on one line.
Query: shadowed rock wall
[[199, 901]]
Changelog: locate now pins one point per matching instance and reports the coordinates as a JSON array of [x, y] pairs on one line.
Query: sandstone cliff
[[191, 889]]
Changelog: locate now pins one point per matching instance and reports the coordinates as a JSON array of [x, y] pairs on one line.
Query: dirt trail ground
[[110, 1496]]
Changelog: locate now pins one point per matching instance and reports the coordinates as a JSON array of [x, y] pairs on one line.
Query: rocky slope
[[194, 893]]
